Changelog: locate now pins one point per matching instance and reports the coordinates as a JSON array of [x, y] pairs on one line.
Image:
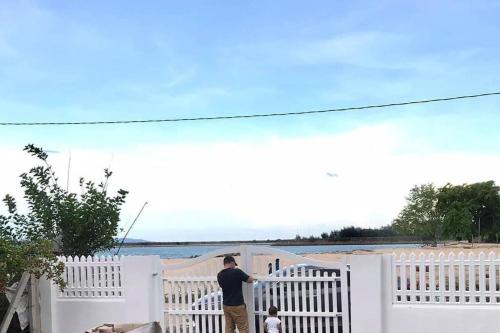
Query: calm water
[[168, 252]]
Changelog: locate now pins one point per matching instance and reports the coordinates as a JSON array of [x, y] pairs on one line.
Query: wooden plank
[[14, 303], [35, 319]]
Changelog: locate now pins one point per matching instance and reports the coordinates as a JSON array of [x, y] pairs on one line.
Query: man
[[230, 279]]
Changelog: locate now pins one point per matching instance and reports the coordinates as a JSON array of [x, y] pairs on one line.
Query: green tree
[[77, 224], [35, 257], [420, 217], [471, 210]]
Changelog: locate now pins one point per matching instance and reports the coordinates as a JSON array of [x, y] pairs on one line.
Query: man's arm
[[279, 327], [246, 278]]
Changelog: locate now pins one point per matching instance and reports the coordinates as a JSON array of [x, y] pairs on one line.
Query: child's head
[[273, 311]]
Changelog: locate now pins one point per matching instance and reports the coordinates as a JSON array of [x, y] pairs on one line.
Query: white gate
[[312, 296]]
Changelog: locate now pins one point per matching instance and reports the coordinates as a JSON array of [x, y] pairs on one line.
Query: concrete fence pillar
[[366, 294]]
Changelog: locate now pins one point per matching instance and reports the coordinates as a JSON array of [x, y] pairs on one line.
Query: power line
[[256, 115]]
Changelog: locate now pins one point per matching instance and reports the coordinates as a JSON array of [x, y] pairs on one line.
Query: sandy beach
[[338, 256]]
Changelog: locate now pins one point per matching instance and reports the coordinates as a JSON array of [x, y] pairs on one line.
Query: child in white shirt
[[272, 323]]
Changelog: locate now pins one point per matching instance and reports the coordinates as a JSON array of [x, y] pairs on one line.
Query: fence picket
[[422, 283], [396, 282], [303, 309], [326, 298], [482, 278], [447, 279], [472, 278], [442, 287], [403, 277], [260, 305], [334, 303], [318, 302], [451, 278], [311, 300], [412, 277], [461, 279], [432, 278], [492, 278], [289, 299], [296, 296], [78, 277]]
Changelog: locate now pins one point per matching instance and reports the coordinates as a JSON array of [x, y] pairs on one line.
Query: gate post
[[247, 266]]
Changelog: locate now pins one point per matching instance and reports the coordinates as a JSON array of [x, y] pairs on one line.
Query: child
[[272, 323]]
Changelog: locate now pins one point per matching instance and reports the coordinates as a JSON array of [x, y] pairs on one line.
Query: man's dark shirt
[[230, 280]]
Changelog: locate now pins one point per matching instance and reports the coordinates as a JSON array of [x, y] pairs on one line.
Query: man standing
[[230, 279]]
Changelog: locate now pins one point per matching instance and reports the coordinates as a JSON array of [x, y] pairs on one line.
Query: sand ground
[[446, 249]]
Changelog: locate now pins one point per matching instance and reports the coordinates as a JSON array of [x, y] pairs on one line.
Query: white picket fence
[[373, 293], [441, 279], [306, 298], [92, 277], [311, 295]]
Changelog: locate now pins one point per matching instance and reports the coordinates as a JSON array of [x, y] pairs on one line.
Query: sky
[[262, 178]]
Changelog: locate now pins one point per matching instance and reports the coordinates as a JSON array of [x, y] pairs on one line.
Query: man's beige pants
[[236, 316]]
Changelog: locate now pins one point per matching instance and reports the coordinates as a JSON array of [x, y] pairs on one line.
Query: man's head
[[229, 262]]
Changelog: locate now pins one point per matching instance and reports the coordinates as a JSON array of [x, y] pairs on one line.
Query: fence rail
[[451, 279], [92, 277]]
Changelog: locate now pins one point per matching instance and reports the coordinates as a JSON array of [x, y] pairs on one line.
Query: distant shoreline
[[291, 242]]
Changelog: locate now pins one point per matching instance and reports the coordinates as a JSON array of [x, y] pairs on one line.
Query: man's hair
[[273, 311], [229, 259]]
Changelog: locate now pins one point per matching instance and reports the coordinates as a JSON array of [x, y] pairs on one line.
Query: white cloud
[[241, 189], [364, 48]]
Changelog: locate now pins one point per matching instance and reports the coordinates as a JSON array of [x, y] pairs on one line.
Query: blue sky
[[111, 60]]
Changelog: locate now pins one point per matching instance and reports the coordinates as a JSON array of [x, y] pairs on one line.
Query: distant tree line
[[453, 212], [350, 232]]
